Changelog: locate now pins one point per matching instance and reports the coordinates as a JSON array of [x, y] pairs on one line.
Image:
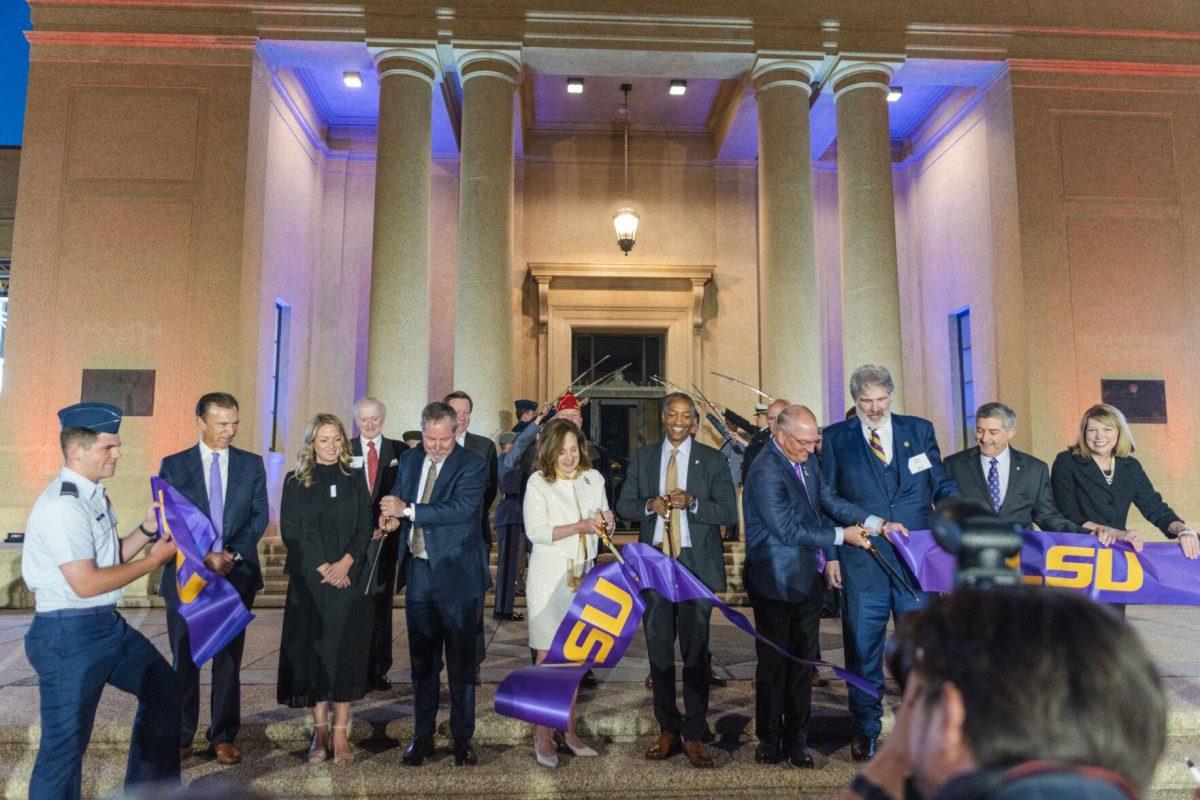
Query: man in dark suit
[[435, 503], [1015, 485], [378, 457], [760, 439], [486, 449], [687, 484], [889, 468], [786, 538], [231, 485]]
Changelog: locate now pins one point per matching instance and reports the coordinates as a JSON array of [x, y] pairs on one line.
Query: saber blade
[[754, 389]]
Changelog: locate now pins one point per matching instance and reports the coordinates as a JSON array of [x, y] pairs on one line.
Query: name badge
[[356, 462], [333, 490], [918, 463]]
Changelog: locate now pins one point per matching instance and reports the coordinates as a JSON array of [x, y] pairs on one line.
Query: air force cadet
[[77, 567]]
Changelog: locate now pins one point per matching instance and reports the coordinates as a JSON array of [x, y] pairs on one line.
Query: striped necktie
[[877, 446]]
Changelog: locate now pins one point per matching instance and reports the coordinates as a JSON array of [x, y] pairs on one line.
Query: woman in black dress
[[325, 522]]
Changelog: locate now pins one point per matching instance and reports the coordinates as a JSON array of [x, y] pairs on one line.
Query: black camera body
[[979, 542]]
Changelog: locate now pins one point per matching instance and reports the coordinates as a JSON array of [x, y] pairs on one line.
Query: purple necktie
[[216, 500], [799, 469]]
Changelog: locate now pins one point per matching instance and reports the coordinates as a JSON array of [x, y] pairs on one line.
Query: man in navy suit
[[786, 539], [231, 485], [435, 504], [889, 468]]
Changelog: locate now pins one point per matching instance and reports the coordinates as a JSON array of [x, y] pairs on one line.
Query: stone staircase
[[273, 553]]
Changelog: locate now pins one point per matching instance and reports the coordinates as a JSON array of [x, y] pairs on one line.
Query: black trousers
[[436, 627], [783, 688], [511, 540], [385, 593], [665, 623], [226, 695]]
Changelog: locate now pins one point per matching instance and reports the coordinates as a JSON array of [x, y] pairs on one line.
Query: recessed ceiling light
[[678, 87], [894, 93], [574, 85], [352, 80]]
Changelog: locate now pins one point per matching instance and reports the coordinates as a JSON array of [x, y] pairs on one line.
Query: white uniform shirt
[[62, 529], [1003, 463]]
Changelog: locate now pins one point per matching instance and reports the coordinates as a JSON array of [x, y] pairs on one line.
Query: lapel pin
[[906, 444]]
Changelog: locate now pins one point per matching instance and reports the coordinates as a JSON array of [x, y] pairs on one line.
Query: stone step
[[617, 719]]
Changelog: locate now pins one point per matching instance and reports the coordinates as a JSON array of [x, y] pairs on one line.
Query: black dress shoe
[[478, 677], [716, 680], [511, 616], [464, 753], [800, 758], [381, 684], [768, 752], [863, 747], [417, 751], [589, 680]]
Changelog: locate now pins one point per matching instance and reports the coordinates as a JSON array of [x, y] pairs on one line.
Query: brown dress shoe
[[227, 754], [664, 747], [697, 754], [817, 681]]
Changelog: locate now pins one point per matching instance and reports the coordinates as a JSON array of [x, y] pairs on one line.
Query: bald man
[[763, 436]]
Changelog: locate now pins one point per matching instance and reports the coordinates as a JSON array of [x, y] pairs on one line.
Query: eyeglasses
[[814, 443]]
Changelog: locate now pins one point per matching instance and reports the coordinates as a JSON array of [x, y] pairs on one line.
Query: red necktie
[[372, 465]]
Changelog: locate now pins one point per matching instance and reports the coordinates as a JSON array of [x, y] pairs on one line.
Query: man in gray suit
[[1015, 485], [688, 484]]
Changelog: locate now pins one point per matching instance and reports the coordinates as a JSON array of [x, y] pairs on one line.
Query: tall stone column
[[483, 299], [789, 303], [398, 337], [870, 286]]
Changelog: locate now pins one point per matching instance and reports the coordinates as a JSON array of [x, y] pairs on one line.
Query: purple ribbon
[[211, 607], [1159, 575], [599, 626]]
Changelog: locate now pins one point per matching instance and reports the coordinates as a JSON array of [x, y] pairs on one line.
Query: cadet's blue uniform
[[77, 645]]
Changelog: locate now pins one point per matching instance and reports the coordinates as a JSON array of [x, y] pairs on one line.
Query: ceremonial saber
[[743, 383], [579, 377], [375, 562], [891, 571], [602, 380]]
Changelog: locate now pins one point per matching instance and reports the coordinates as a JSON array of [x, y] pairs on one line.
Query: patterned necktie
[[216, 499], [418, 537], [877, 446], [372, 465], [671, 545], [993, 482]]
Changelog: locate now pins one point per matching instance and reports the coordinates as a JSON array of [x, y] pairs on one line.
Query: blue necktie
[[993, 483], [216, 499]]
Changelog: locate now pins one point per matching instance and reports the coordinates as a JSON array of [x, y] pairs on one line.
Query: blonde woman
[[565, 509], [325, 522]]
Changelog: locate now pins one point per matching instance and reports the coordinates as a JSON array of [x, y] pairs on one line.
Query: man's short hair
[[218, 399], [438, 411], [69, 436], [870, 375], [789, 415], [369, 400], [1044, 675], [459, 396], [667, 400], [1007, 417]]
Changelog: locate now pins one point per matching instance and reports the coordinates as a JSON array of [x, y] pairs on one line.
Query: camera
[[979, 542]]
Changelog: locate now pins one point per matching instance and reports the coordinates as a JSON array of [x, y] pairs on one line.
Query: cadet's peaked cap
[[760, 409], [525, 405], [97, 417]]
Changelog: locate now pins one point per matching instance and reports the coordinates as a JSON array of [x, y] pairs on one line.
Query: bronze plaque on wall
[[131, 390], [1143, 401]]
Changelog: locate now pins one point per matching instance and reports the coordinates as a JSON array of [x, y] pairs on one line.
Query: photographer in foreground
[[1018, 693]]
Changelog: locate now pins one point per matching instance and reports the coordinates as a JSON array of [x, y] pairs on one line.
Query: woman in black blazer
[[1096, 481], [325, 522]]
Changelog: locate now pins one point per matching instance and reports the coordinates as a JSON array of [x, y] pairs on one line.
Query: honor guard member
[[77, 566], [526, 411]]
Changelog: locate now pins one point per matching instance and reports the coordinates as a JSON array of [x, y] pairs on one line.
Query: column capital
[[775, 68], [415, 58], [855, 71], [495, 59]]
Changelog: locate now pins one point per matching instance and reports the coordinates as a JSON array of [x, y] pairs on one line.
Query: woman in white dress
[[565, 510]]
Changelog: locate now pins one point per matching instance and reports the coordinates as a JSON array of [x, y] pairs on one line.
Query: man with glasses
[[786, 538], [889, 467]]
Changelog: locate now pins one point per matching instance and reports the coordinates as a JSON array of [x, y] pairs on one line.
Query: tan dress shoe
[[664, 747], [227, 754], [698, 755]]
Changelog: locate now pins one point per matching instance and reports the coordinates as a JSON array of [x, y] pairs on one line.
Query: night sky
[[14, 69]]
